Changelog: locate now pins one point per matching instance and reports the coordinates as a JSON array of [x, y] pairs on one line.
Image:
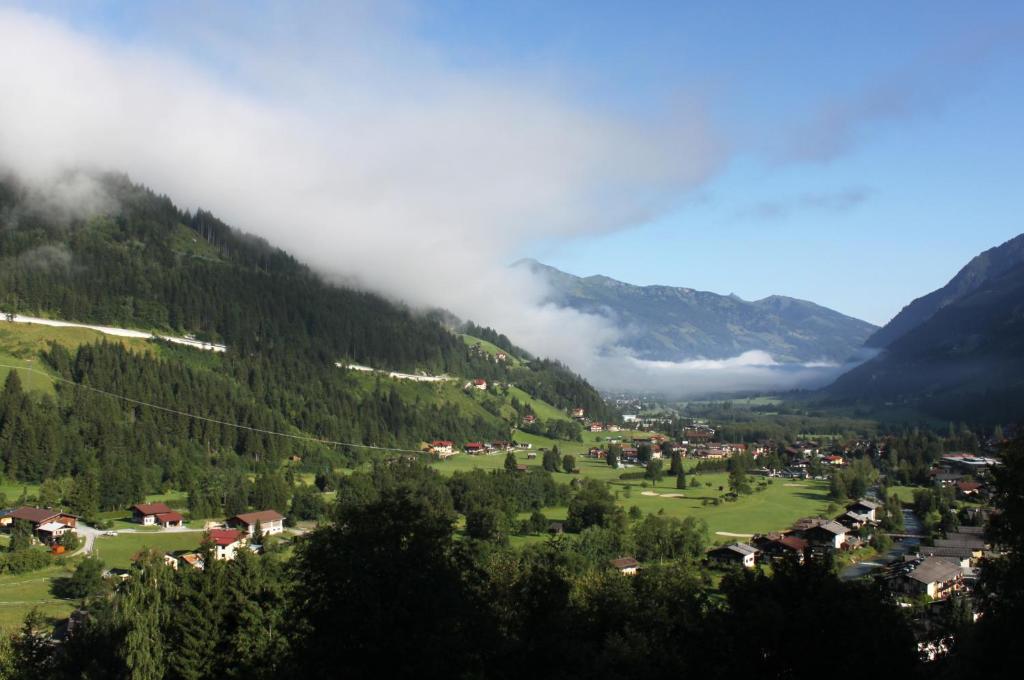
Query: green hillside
[[490, 349]]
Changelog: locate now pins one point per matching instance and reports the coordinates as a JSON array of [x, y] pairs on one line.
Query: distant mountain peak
[[669, 323]]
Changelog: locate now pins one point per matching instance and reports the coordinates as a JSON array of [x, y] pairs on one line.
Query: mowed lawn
[[20, 593], [118, 551], [775, 508]]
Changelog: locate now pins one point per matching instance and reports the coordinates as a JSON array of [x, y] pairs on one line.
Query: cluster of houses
[[47, 525], [809, 536], [445, 448], [660, 447], [939, 570], [500, 356], [967, 473], [236, 534]]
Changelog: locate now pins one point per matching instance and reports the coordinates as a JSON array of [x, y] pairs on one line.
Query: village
[[65, 534], [878, 535]]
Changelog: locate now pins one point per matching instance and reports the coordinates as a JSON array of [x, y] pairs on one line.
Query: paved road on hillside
[[911, 525]]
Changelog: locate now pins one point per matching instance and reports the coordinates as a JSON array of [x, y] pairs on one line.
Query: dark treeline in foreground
[[384, 590]]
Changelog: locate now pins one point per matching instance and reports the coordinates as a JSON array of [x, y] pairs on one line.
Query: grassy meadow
[[775, 508]]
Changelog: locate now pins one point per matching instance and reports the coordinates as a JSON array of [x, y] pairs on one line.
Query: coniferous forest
[[145, 264]]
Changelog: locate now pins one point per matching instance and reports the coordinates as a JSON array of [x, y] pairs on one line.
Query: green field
[[12, 490], [906, 493], [775, 508], [20, 593], [118, 551], [541, 409]]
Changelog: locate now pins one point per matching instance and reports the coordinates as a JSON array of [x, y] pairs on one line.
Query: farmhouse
[[784, 547], [865, 508], [156, 514], [597, 427], [473, 447], [529, 419], [271, 521], [739, 554], [968, 489], [825, 533], [627, 566], [226, 542], [441, 446], [48, 525], [931, 576]]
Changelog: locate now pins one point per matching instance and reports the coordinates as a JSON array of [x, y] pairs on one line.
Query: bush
[[70, 541], [24, 561]]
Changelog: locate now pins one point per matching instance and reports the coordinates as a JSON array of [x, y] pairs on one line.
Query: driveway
[[88, 534]]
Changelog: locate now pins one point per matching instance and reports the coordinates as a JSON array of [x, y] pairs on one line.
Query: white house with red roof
[[157, 514], [271, 522], [442, 448], [226, 542]]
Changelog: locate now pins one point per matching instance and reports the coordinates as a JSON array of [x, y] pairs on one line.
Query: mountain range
[[956, 353], [664, 323]]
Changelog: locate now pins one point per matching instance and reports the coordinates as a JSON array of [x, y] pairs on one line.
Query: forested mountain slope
[[145, 264], [964, 363], [986, 266]]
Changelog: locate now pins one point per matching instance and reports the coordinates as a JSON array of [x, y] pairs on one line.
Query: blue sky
[[867, 150], [918, 182]]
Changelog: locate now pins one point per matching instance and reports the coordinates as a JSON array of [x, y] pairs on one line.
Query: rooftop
[[933, 569], [249, 518]]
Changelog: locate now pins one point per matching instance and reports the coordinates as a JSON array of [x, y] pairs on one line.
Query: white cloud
[[379, 165]]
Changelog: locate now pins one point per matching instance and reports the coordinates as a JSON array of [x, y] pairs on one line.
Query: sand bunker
[[729, 533]]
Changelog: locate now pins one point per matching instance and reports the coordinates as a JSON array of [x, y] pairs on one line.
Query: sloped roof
[[151, 508], [792, 542], [866, 504], [830, 526], [249, 518], [34, 515], [625, 563], [933, 569], [224, 537], [739, 548]]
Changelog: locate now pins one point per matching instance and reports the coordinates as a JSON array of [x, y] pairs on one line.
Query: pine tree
[[510, 462]]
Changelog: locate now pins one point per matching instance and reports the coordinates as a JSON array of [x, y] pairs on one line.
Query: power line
[[207, 419]]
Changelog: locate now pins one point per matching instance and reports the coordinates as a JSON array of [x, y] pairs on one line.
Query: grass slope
[[489, 348]]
